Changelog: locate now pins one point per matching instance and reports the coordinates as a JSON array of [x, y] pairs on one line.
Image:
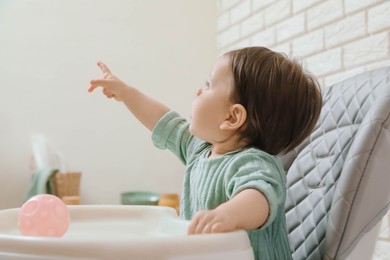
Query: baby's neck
[[221, 149]]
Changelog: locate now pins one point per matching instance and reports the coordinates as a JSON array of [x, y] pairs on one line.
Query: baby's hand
[[112, 86], [212, 221]]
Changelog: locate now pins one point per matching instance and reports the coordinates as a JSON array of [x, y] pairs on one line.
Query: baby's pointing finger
[[103, 67]]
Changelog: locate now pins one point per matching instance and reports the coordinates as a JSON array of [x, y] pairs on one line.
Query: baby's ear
[[235, 119]]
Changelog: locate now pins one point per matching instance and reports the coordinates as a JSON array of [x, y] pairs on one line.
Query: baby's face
[[211, 104]]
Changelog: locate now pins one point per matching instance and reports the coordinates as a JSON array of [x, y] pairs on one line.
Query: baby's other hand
[[211, 221]]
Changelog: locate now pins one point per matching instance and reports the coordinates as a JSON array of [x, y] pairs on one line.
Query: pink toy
[[43, 215]]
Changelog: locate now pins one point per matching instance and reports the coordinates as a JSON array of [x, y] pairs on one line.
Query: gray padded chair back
[[339, 178]]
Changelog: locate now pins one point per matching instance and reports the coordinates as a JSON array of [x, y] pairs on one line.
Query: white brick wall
[[334, 39], [290, 27], [324, 62], [366, 50], [379, 17], [353, 5], [309, 43], [349, 28], [276, 12], [324, 13]]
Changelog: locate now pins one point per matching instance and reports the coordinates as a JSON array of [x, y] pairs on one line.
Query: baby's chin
[[191, 128], [194, 133]]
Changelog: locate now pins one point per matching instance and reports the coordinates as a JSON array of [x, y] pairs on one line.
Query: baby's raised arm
[[146, 109]]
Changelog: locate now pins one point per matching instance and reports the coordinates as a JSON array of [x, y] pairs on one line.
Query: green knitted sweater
[[209, 182]]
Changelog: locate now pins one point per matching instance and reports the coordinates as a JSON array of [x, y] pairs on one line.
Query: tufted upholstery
[[339, 178]]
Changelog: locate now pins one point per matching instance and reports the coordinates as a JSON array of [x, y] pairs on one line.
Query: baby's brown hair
[[282, 101]]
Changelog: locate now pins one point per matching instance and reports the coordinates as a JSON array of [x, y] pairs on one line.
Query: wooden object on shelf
[[67, 186]]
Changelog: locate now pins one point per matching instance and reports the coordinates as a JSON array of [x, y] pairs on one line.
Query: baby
[[256, 105]]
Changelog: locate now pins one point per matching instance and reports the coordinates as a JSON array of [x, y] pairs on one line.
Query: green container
[[139, 198]]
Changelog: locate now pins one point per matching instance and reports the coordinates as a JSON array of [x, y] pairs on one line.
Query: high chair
[[338, 180]]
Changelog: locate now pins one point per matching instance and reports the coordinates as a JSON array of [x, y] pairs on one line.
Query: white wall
[[48, 51]]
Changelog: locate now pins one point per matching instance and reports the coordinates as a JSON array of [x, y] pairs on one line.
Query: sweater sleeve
[[260, 173], [172, 132]]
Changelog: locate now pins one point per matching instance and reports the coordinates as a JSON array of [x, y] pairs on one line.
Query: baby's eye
[[207, 84]]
